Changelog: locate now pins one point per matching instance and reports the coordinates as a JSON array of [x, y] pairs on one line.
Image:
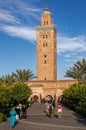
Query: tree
[[5, 93], [23, 75], [82, 93], [76, 93], [71, 92], [78, 71], [74, 73], [8, 79], [21, 92]]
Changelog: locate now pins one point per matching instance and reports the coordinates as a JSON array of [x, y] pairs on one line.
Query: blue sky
[[18, 21]]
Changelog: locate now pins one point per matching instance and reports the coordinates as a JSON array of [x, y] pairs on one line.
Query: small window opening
[[43, 36], [45, 61], [45, 78], [44, 55], [46, 36]]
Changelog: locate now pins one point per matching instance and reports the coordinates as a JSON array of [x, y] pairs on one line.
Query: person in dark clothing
[[18, 112], [50, 110], [24, 112], [53, 104]]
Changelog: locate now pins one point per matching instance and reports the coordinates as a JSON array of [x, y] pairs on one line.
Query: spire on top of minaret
[[46, 9]]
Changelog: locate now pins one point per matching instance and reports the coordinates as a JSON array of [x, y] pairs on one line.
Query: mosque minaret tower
[[46, 48]]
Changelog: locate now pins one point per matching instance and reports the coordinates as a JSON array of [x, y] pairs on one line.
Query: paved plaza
[[37, 120]]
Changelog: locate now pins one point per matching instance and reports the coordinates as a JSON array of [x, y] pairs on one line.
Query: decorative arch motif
[[35, 96], [48, 97], [49, 94]]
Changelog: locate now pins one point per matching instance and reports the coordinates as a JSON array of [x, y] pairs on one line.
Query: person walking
[[53, 103], [50, 110], [18, 112], [47, 107], [23, 112], [59, 110], [12, 117], [20, 107]]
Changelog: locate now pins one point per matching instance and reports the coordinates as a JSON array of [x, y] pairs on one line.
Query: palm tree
[[23, 75], [8, 79], [78, 71], [82, 67], [74, 73]]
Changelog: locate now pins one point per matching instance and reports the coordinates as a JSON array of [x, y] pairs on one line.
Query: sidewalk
[[37, 120], [69, 119]]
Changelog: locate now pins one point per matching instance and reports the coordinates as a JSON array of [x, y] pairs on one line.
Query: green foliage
[[75, 98], [82, 93], [31, 102], [1, 117], [8, 79], [78, 71], [19, 75], [71, 92], [23, 75], [5, 93], [21, 92], [74, 73], [77, 93], [81, 110], [13, 87]]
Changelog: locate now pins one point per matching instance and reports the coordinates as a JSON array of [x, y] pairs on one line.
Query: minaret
[[46, 48]]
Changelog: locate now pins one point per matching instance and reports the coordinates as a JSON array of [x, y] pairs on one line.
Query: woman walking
[[50, 110], [12, 117], [59, 110]]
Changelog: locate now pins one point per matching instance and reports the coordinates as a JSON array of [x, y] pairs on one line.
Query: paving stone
[[37, 120]]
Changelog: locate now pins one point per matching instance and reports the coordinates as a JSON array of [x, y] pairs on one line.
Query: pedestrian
[[24, 112], [50, 110], [12, 117], [18, 112], [20, 107], [53, 103], [59, 110], [47, 107]]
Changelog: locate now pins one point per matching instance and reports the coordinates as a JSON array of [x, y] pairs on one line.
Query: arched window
[[43, 44], [46, 36], [43, 36], [45, 61]]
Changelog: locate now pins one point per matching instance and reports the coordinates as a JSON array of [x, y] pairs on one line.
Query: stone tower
[[46, 48]]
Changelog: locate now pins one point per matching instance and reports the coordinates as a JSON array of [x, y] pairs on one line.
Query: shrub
[[81, 110], [1, 117], [30, 102]]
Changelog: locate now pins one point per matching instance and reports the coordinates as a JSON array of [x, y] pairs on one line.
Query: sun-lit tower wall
[[46, 48]]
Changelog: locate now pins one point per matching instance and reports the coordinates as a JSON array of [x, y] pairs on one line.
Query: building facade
[[47, 85]]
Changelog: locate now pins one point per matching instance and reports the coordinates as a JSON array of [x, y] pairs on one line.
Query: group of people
[[19, 112], [50, 108]]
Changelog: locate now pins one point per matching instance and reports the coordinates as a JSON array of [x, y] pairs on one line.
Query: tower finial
[[46, 9]]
